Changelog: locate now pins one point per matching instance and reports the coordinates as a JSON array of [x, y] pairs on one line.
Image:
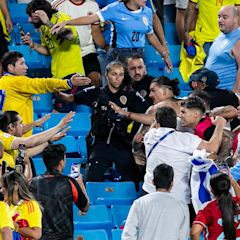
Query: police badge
[[123, 99]]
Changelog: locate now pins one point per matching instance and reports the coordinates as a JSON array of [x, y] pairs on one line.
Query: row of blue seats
[[18, 15], [97, 234], [80, 125], [42, 103], [100, 217]]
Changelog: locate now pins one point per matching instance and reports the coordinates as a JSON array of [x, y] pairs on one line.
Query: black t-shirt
[[99, 98], [143, 87], [56, 193], [222, 97]]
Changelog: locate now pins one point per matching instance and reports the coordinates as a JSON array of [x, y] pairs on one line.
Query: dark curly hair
[[165, 81], [44, 5]]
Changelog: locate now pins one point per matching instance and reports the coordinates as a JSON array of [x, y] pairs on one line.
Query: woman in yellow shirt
[[6, 223], [25, 210]]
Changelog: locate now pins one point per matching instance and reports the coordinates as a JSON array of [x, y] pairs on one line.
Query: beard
[[37, 24]]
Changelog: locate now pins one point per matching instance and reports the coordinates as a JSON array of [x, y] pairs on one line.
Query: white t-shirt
[[157, 216], [174, 150], [75, 11]]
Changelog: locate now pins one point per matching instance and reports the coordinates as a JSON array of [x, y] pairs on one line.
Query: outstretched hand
[[78, 80], [64, 96], [60, 135], [116, 108], [66, 120], [58, 27], [40, 121]]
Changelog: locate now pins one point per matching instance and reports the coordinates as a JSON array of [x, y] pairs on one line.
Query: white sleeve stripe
[[55, 4], [151, 32], [100, 16], [200, 223]]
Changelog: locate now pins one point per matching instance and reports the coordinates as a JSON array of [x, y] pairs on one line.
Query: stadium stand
[[111, 193]]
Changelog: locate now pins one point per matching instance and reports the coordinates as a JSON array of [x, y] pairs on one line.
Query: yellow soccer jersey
[[5, 217], [207, 22], [66, 54], [9, 156], [28, 211], [19, 91]]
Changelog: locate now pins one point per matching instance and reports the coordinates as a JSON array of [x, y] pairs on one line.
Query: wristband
[[69, 82], [106, 47], [129, 115], [49, 24], [164, 53]]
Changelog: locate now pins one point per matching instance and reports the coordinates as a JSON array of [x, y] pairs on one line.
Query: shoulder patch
[[139, 95]]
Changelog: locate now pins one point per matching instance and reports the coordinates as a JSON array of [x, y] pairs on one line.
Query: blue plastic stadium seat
[[42, 103], [171, 33], [82, 146], [18, 12], [97, 217], [154, 71], [70, 144], [46, 61], [176, 74], [83, 108], [26, 27], [39, 165], [80, 125], [70, 161], [111, 193], [36, 129], [32, 58], [119, 214], [152, 58], [116, 234], [98, 234], [175, 54]]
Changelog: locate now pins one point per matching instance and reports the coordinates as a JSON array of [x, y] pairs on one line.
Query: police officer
[[112, 132]]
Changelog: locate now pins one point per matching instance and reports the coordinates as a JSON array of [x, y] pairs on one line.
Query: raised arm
[[42, 137], [152, 38], [4, 9], [214, 143], [86, 20], [236, 54], [189, 18], [145, 118]]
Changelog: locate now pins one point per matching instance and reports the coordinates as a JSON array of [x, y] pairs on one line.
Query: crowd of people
[[139, 124]]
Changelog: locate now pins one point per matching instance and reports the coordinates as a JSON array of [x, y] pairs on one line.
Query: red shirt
[[211, 218]]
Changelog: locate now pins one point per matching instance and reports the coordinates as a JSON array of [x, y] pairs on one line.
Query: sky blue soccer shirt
[[128, 27]]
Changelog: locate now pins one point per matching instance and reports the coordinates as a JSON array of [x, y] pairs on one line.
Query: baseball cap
[[206, 76]]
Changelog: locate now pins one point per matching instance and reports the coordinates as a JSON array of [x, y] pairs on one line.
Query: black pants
[[103, 155], [3, 42]]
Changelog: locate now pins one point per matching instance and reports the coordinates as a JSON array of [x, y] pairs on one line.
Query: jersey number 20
[[135, 36]]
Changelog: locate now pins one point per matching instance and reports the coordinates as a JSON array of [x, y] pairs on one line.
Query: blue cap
[[206, 76]]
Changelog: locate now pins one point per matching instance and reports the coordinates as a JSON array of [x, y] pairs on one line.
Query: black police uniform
[[142, 86], [223, 97], [112, 133]]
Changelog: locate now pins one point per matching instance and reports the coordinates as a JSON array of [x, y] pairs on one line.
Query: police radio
[[19, 166]]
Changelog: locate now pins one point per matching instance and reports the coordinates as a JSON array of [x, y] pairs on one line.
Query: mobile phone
[[22, 33], [223, 168]]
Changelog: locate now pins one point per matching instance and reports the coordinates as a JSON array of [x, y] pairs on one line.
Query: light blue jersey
[[128, 27], [221, 60]]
